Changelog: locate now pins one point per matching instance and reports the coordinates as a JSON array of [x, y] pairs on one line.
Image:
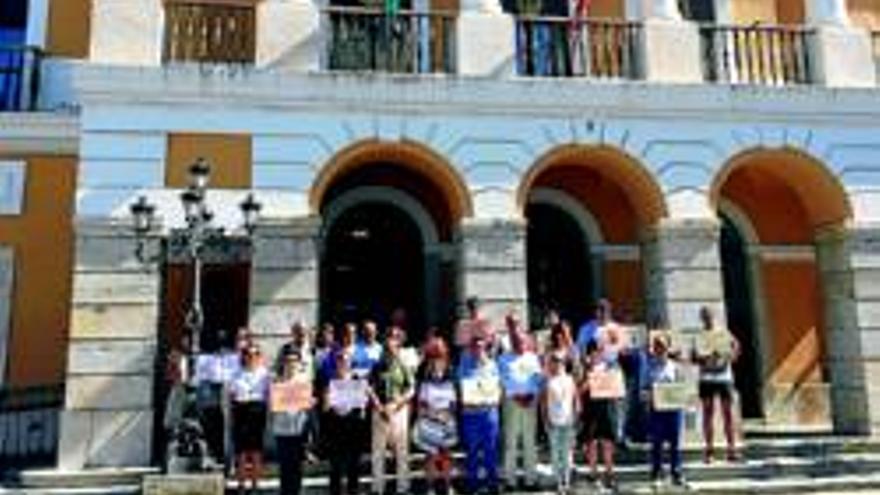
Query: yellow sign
[[291, 396], [606, 384], [673, 396], [714, 342], [480, 391]]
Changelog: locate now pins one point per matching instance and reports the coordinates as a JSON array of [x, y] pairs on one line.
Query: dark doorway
[[740, 318], [225, 302], [559, 273], [373, 262]]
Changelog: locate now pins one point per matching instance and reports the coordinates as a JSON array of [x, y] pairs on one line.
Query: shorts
[[248, 426], [599, 420], [710, 390]]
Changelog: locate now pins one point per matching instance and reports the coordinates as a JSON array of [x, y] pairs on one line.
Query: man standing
[[299, 345], [474, 325], [481, 392], [368, 350], [392, 385], [521, 380]]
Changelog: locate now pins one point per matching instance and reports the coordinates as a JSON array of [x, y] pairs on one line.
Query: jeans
[[394, 432], [665, 427], [291, 453], [520, 425], [479, 431], [561, 439]]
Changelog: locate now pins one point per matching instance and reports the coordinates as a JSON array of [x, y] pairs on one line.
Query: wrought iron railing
[[223, 33], [19, 78], [361, 39], [766, 55], [561, 47], [29, 426]]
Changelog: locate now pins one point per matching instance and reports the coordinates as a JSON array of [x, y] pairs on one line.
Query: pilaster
[[493, 265], [289, 35], [484, 39], [108, 409]]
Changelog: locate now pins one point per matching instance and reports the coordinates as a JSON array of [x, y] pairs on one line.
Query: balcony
[[563, 47], [762, 55], [407, 42], [19, 78], [209, 33]]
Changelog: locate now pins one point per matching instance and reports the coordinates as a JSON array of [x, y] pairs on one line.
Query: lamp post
[[195, 235]]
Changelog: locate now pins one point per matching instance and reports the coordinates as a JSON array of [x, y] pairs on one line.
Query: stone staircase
[[800, 464]]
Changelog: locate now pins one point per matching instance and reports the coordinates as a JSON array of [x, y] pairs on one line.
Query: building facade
[[665, 155]]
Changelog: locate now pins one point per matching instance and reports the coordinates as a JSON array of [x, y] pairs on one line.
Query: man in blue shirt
[[589, 331], [521, 379], [481, 390], [368, 350]]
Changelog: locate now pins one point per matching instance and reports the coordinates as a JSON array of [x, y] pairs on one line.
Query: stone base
[[184, 484]]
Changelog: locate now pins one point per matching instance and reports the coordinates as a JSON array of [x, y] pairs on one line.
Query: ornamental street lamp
[[195, 236]]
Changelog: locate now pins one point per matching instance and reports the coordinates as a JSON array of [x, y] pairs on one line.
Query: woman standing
[[560, 405], [250, 393], [345, 424], [436, 431], [293, 428]]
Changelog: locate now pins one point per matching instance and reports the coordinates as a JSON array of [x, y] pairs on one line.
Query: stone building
[[665, 155]]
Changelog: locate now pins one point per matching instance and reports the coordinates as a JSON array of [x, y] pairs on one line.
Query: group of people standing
[[490, 390]]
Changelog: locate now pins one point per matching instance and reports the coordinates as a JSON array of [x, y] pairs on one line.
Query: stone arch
[[383, 194], [410, 155], [562, 200]]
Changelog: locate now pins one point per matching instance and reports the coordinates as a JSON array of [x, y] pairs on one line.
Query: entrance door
[[373, 262], [559, 273], [740, 319]]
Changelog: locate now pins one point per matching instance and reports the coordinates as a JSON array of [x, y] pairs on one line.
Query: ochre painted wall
[[615, 9], [228, 154], [776, 212], [865, 13], [795, 317], [606, 200], [749, 11], [790, 11], [43, 242], [69, 28], [624, 287]]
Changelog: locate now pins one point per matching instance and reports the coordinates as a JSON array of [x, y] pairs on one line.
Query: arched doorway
[[373, 263], [587, 208], [560, 277], [390, 215], [740, 313], [779, 202]]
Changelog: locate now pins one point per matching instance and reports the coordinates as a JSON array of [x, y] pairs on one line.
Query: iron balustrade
[[757, 54], [409, 42], [29, 426], [19, 78], [209, 33], [577, 47]]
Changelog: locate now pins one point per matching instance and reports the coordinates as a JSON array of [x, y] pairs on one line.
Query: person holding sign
[[480, 394], [521, 380], [391, 389], [715, 352], [250, 392], [436, 431], [601, 387], [292, 422], [663, 376], [345, 402]]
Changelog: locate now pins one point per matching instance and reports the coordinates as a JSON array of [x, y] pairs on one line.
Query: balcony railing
[[29, 426], [563, 47], [209, 33], [768, 55], [19, 78], [362, 39]]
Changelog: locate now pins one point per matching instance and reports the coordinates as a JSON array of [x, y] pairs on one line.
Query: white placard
[[12, 177]]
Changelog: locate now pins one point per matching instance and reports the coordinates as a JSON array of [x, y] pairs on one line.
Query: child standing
[[666, 419], [561, 404]]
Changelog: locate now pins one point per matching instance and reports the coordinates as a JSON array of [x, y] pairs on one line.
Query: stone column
[[683, 267], [843, 54], [108, 409], [289, 34], [484, 39], [670, 48], [849, 263], [493, 265], [284, 278]]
